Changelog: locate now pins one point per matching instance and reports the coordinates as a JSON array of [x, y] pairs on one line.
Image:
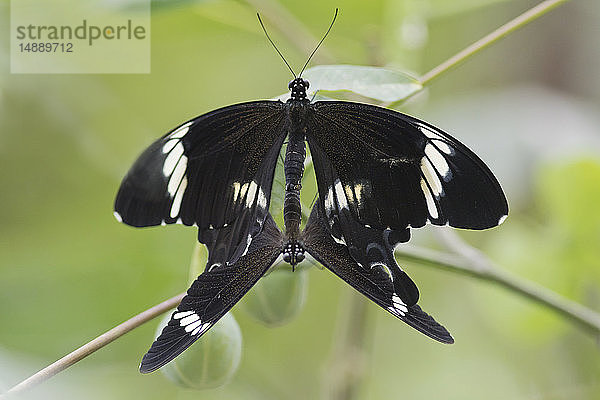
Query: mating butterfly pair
[[379, 173]]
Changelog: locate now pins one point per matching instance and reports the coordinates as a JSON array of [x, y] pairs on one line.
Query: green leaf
[[373, 82]]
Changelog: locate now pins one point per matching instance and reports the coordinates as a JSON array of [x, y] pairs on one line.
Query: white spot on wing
[[431, 176], [251, 194], [168, 146], [339, 241], [236, 190], [189, 319], [192, 326], [172, 159], [358, 190], [397, 300], [443, 147], [181, 131], [243, 190], [177, 176], [399, 305], [178, 198], [248, 241], [118, 216], [262, 199], [502, 219], [341, 196], [182, 314], [428, 132], [431, 207], [329, 201], [201, 329], [437, 159]]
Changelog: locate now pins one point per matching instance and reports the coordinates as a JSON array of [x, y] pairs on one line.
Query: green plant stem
[[511, 26], [96, 344], [348, 361], [475, 264]]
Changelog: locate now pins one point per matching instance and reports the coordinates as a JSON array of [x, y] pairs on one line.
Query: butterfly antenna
[[276, 49], [319, 45]]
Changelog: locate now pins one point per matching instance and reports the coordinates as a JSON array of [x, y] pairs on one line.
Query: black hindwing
[[375, 282], [212, 294]]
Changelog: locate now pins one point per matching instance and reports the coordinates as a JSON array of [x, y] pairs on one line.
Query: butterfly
[[379, 173]]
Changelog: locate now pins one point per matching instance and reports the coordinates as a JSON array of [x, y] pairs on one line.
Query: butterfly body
[[379, 173], [296, 109]]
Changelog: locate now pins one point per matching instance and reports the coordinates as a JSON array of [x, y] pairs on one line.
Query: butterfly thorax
[[298, 89]]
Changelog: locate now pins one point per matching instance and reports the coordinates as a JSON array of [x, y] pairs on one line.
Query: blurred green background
[[528, 106]]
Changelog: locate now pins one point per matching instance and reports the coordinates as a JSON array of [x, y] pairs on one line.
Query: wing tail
[[211, 295], [374, 283]]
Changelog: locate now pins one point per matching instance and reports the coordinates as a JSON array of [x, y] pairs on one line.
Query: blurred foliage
[[70, 271], [557, 246], [278, 297]]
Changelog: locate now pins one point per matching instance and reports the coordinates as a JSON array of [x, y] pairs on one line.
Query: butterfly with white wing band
[[379, 173]]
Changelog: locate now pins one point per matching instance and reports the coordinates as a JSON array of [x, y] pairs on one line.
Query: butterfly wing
[[215, 172], [397, 171], [203, 172], [212, 294], [382, 281]]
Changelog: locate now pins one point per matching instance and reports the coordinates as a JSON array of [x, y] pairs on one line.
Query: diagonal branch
[[474, 263], [491, 38], [96, 344]]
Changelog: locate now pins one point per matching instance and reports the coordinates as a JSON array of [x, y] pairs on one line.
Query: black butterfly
[[379, 173]]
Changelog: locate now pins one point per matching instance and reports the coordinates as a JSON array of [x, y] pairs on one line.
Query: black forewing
[[207, 171], [374, 283], [211, 295], [398, 172]]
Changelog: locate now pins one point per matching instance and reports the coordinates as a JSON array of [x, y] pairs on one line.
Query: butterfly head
[[298, 87]]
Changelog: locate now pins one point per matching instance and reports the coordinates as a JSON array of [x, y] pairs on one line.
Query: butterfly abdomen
[[295, 154], [293, 169]]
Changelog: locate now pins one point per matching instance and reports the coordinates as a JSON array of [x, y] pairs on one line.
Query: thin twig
[[95, 344], [518, 22], [474, 263]]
